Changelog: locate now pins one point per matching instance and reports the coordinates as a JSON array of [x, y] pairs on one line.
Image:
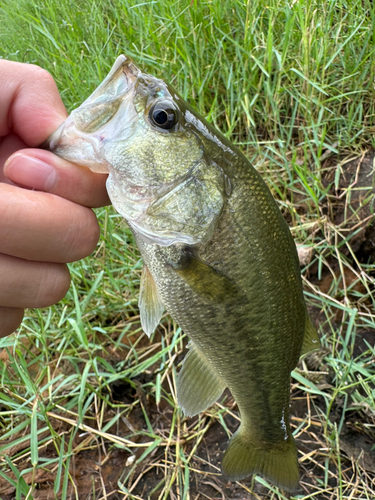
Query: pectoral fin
[[311, 339], [198, 384], [150, 305]]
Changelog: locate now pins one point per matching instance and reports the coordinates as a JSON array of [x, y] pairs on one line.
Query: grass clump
[[87, 404]]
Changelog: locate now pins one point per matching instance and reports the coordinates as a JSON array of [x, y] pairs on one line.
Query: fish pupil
[[160, 117], [163, 116]]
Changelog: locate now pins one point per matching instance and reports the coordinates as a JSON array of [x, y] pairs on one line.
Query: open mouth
[[79, 138]]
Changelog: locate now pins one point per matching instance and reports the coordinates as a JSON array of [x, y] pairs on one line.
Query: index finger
[[30, 103]]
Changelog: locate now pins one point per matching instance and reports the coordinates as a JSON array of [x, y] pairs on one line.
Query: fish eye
[[163, 115]]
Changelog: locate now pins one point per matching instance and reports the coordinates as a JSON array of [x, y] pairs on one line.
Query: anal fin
[[150, 305], [311, 339], [198, 384]]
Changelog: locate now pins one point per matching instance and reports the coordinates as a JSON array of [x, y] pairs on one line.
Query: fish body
[[218, 256]]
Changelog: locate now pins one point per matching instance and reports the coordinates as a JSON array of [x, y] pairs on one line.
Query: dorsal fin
[[150, 305]]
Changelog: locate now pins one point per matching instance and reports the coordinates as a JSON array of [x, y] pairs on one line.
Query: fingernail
[[30, 172]]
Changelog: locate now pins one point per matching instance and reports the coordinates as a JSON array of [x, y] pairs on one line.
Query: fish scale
[[218, 256]]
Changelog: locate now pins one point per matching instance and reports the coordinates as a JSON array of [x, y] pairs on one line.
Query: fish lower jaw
[[162, 239], [131, 201], [135, 213], [77, 147]]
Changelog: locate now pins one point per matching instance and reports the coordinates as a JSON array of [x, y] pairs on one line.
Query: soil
[[98, 467]]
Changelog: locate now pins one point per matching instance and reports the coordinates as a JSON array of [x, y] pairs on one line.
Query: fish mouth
[[99, 118]]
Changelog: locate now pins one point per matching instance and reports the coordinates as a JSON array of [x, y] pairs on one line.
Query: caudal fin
[[276, 463]]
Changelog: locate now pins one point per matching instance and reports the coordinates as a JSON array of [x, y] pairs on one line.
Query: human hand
[[45, 221]]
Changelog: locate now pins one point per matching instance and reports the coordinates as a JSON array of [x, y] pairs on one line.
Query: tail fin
[[277, 463]]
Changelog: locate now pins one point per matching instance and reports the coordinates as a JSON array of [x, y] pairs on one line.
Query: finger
[[10, 320], [31, 284], [44, 227], [44, 171], [30, 103], [8, 145]]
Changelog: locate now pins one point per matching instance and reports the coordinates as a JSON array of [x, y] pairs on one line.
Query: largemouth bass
[[218, 256]]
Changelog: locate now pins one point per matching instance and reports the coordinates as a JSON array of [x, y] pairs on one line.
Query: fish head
[[139, 130]]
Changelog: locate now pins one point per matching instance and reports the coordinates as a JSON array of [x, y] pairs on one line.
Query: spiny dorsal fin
[[198, 384], [311, 339], [149, 302]]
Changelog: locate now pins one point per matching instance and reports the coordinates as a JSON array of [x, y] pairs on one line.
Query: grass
[[87, 404]]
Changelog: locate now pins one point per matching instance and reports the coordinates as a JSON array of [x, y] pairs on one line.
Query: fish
[[218, 257]]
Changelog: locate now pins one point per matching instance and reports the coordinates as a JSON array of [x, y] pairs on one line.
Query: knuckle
[[82, 237], [10, 320], [41, 75], [61, 284], [93, 191], [93, 234], [53, 285]]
